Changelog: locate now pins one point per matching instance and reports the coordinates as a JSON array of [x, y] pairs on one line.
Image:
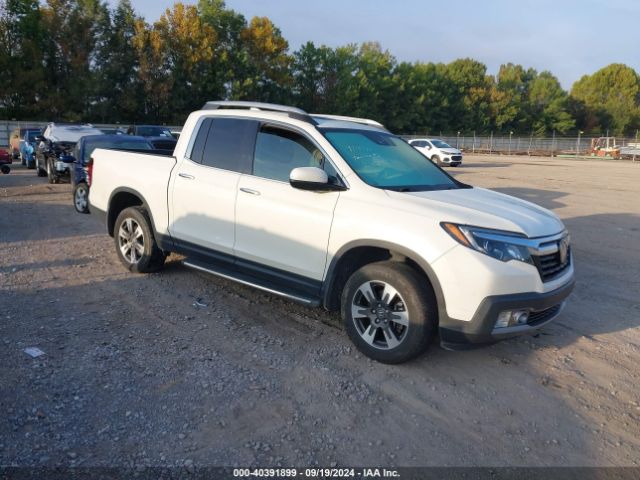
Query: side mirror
[[311, 178]]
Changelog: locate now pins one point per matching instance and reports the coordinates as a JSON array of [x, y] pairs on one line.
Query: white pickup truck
[[338, 212]]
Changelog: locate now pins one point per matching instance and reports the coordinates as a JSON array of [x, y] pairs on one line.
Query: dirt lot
[[182, 367]]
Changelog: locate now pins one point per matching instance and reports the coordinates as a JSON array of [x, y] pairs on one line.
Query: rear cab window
[[225, 143]]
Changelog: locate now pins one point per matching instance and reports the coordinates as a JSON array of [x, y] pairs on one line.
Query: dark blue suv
[[82, 153]]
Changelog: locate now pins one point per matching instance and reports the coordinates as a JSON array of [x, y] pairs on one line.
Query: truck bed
[[144, 174]]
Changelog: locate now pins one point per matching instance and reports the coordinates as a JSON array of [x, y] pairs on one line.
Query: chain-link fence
[[532, 145]]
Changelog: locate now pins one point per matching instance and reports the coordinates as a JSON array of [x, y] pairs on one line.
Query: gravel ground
[[180, 368]]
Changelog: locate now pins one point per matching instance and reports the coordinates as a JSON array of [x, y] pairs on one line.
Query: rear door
[[205, 186], [280, 227]]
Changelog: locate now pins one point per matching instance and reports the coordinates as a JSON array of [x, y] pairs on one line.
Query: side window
[[201, 138], [230, 143], [278, 151]]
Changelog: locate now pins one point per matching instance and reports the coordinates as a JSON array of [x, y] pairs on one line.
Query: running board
[[250, 282]]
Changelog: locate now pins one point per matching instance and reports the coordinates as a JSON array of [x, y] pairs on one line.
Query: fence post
[[530, 142], [473, 148], [491, 142], [553, 144]]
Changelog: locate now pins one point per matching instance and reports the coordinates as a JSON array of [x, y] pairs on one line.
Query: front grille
[[541, 316], [550, 266], [456, 158]]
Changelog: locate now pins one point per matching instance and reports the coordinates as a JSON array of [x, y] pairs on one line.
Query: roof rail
[[364, 121], [270, 107], [293, 112]]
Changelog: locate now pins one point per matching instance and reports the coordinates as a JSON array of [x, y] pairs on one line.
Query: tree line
[[79, 60]]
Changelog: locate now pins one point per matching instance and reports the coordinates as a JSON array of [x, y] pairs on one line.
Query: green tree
[[266, 73], [174, 55], [548, 105], [324, 78], [72, 28], [229, 61], [469, 95], [22, 37], [118, 89], [509, 98], [612, 95]]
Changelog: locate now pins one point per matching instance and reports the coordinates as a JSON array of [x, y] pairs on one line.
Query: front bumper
[[453, 159], [459, 334]]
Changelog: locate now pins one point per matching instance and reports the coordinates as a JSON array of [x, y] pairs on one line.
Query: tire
[[394, 330], [51, 173], [133, 230], [436, 159], [39, 170], [81, 198]]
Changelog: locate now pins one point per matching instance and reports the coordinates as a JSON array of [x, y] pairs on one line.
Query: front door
[[279, 226]]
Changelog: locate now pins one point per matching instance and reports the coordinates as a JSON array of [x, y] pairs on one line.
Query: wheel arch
[[356, 254], [125, 197]]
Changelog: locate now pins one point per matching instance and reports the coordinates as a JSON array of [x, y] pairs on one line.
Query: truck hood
[[482, 208]]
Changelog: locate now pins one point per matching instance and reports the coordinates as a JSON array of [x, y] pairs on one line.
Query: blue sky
[[569, 38]]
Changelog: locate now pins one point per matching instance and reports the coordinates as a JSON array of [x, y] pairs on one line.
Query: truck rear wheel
[[388, 311], [135, 244]]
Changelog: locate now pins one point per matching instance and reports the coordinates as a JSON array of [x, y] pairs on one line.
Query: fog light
[[509, 318]]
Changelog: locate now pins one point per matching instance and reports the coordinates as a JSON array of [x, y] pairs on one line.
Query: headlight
[[503, 246]]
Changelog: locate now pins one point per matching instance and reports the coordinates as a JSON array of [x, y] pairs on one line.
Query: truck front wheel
[[389, 311], [135, 244]]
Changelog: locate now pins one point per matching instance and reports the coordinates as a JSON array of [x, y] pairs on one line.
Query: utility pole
[[580, 132]]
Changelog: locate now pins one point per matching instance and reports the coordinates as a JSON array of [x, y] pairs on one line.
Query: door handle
[[249, 191], [187, 176]]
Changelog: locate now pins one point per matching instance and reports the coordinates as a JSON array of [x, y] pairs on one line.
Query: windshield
[[153, 132], [440, 144], [31, 135], [386, 161], [126, 145]]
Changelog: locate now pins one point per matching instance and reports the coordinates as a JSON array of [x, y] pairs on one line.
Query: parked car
[[149, 131], [6, 159], [28, 148], [80, 180], [113, 131], [163, 143], [343, 214], [53, 155], [17, 138], [439, 152]]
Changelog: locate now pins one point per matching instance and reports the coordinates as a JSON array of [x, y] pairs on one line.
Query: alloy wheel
[[81, 199], [131, 241], [380, 315]]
